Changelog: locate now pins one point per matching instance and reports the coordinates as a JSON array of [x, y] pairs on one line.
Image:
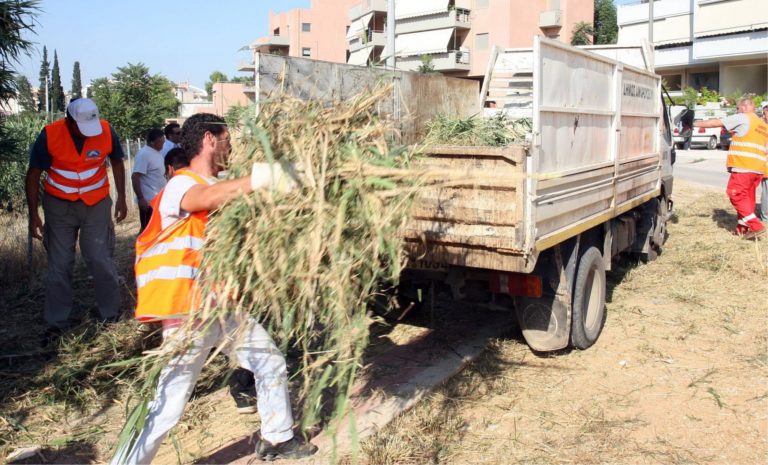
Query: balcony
[[457, 18], [368, 38], [246, 66], [551, 18], [271, 43], [367, 6], [448, 62]]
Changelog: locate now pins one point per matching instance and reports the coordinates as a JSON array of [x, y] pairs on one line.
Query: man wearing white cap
[[73, 152]]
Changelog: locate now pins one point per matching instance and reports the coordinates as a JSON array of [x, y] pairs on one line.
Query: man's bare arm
[[708, 123], [32, 189], [204, 198]]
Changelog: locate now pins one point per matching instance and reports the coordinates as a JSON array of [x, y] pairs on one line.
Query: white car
[[711, 138]]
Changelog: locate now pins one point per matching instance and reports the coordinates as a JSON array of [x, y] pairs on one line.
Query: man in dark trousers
[[76, 203]]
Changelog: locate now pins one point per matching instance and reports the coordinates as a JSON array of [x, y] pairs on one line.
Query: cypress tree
[[77, 85], [606, 27], [24, 88], [57, 90], [45, 82]]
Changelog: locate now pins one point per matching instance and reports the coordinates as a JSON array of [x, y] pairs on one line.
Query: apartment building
[[457, 35], [317, 32], [718, 44]]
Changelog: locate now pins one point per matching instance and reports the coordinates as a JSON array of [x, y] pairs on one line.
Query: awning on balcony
[[411, 8], [360, 57], [421, 43], [359, 26]]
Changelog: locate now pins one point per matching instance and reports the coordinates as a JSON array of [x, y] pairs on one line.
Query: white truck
[[593, 179]]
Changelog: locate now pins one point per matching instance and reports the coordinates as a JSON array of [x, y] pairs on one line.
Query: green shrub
[[17, 134]]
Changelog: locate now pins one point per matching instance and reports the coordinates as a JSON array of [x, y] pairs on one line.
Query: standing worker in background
[[764, 183], [746, 162], [172, 137], [148, 177], [168, 259], [73, 151]]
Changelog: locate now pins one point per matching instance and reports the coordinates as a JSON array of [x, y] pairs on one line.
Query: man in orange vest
[[747, 158], [73, 152], [168, 259]]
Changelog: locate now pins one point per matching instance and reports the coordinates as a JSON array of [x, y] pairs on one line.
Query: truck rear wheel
[[588, 317]]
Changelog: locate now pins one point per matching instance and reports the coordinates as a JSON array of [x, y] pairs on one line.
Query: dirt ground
[[679, 375]]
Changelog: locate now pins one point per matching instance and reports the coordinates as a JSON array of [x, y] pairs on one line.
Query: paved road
[[702, 167]]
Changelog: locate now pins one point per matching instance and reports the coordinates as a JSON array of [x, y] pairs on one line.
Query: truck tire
[[588, 317], [712, 143]]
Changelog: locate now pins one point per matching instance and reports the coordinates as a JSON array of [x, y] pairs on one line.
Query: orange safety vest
[[78, 176], [750, 152], [168, 262]]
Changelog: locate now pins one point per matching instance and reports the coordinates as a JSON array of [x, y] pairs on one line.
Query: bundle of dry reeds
[[307, 262]]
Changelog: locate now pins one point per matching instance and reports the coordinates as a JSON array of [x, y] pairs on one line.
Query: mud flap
[[546, 321]]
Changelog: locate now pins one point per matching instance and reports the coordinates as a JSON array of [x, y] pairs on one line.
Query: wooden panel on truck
[[474, 219], [416, 98]]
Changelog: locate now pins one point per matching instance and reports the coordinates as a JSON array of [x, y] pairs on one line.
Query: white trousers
[[253, 349]]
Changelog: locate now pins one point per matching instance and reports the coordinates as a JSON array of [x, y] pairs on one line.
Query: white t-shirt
[[737, 123], [170, 203], [167, 146], [149, 164]]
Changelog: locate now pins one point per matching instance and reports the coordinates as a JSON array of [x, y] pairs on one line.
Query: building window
[[306, 52], [306, 27], [710, 80], [672, 82], [481, 41], [276, 32], [481, 4]]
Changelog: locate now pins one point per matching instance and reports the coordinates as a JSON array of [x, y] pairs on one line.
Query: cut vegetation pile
[[496, 131]]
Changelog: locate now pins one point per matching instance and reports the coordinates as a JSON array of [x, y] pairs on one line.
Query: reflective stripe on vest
[[77, 176], [74, 190], [748, 153], [166, 272], [168, 262]]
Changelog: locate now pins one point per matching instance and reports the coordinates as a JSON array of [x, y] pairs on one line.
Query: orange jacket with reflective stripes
[[168, 262], [78, 176], [749, 152]]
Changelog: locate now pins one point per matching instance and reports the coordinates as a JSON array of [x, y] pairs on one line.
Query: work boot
[[293, 448], [754, 235]]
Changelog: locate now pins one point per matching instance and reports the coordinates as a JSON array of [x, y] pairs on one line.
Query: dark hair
[[170, 127], [194, 129], [154, 134], [177, 158]]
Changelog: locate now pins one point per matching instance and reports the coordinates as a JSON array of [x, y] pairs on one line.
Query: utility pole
[[47, 115], [650, 23], [391, 33]]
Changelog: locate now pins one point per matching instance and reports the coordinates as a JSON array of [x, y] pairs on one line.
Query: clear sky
[[183, 40]]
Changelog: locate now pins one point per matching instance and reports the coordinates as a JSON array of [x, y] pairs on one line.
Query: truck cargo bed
[[473, 224]]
